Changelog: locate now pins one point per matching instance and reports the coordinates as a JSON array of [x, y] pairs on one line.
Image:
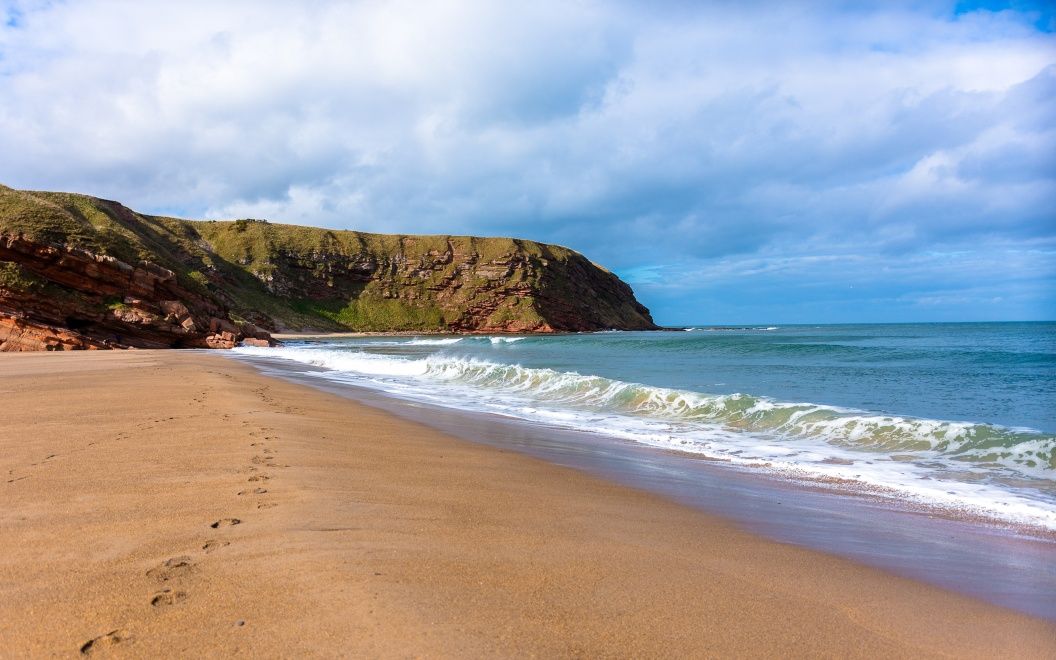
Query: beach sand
[[122, 475]]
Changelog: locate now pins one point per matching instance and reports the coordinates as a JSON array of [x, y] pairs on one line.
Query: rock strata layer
[[71, 298]]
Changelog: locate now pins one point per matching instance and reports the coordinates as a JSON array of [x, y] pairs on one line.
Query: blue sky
[[735, 162]]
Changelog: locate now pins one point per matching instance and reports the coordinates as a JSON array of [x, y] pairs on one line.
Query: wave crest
[[785, 422]]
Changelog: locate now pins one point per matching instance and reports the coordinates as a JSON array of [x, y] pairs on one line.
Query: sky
[[736, 163]]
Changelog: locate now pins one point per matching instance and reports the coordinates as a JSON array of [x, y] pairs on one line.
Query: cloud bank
[[758, 163]]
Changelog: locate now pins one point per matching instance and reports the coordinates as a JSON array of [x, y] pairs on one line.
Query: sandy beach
[[181, 504]]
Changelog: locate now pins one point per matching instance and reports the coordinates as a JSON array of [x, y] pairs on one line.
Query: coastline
[[381, 536], [308, 334], [1002, 563]]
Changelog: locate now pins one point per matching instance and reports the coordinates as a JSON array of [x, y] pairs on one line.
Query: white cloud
[[635, 133]]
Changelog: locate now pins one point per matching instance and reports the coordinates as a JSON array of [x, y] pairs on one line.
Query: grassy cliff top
[[260, 240], [107, 227]]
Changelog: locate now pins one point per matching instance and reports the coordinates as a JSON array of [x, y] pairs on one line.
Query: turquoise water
[[957, 416]]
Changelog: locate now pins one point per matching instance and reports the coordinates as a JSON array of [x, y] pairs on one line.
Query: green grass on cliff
[[16, 278], [104, 227], [13, 277], [24, 212], [255, 243]]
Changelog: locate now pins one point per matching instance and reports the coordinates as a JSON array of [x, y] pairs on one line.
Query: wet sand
[[180, 503]]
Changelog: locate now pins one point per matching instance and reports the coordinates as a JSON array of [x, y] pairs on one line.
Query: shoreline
[[380, 536], [955, 550]]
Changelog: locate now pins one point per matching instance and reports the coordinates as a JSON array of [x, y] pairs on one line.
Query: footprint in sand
[[211, 546], [103, 643], [226, 522], [167, 597], [255, 491], [259, 477], [266, 505], [172, 568]]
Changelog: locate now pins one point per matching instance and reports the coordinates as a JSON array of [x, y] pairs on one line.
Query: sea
[[952, 420]]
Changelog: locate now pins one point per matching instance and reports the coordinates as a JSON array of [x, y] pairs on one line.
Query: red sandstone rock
[[18, 336], [75, 309]]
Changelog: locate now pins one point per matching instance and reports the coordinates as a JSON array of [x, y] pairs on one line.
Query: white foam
[[504, 340], [434, 342], [343, 361]]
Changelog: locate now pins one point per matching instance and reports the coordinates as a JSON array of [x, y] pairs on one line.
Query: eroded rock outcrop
[[19, 335], [58, 297]]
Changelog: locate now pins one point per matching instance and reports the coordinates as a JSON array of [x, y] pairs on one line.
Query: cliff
[[82, 272]]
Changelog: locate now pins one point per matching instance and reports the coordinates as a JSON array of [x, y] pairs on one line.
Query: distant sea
[[959, 416]]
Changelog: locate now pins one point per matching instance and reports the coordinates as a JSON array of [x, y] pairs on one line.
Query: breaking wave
[[432, 342], [445, 341]]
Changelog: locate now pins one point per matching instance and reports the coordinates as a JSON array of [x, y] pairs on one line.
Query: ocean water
[[958, 417]]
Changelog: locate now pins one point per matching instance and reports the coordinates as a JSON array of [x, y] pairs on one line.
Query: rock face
[[57, 297], [356, 281], [19, 335], [81, 272]]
